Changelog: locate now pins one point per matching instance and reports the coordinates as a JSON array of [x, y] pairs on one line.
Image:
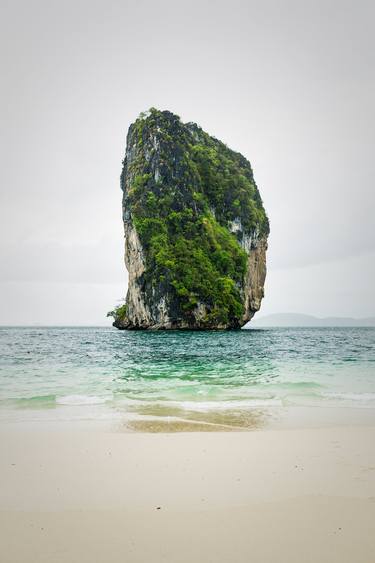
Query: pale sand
[[262, 496]]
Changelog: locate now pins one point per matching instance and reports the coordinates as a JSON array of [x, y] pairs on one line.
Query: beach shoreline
[[171, 419], [291, 495]]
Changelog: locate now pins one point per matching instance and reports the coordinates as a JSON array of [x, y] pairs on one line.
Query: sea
[[184, 380]]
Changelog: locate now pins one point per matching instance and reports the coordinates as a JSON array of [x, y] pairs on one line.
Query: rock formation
[[195, 229]]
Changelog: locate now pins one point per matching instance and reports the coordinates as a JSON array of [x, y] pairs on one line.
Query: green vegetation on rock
[[184, 193], [118, 312]]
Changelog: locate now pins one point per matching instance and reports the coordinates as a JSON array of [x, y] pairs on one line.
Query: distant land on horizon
[[299, 319]]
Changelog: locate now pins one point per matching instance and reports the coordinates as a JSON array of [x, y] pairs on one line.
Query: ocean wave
[[348, 396], [43, 400], [290, 385], [79, 400], [36, 401], [241, 404]]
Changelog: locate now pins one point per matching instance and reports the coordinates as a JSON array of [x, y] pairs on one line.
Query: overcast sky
[[288, 84]]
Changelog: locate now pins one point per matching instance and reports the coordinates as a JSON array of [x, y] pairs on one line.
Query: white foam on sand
[[362, 398], [80, 400]]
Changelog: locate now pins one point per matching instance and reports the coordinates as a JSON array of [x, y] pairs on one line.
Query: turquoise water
[[102, 373]]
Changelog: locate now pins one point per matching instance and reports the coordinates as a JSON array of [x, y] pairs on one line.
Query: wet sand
[[290, 495]]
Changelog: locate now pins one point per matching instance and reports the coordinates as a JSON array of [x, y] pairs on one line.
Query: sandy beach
[[289, 495]]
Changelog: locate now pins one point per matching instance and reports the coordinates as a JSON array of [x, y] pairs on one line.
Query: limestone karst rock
[[195, 229]]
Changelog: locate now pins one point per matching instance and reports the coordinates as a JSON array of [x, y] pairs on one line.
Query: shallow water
[[153, 379]]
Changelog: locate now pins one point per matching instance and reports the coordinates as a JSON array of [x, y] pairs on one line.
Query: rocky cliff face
[[195, 229]]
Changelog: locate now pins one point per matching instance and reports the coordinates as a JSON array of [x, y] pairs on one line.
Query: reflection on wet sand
[[162, 418]]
